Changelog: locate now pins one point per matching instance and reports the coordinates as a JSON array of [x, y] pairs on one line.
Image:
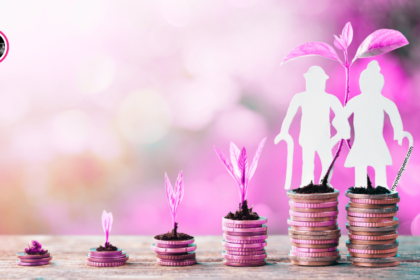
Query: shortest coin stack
[[244, 242], [33, 260], [372, 229], [106, 258], [175, 252]]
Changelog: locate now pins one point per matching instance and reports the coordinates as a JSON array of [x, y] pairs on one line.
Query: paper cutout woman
[[369, 148], [315, 133]]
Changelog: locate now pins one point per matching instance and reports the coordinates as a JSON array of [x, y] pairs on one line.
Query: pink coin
[[249, 253], [104, 253], [313, 205], [245, 258], [176, 263], [188, 248], [375, 201], [32, 263], [314, 255], [313, 250], [173, 243], [244, 224], [315, 242], [373, 237], [105, 264], [23, 255], [106, 260], [371, 215], [373, 252], [123, 255], [313, 214], [189, 255], [233, 263], [248, 230], [245, 239], [244, 246], [310, 224], [48, 259], [243, 250], [245, 233], [377, 224]]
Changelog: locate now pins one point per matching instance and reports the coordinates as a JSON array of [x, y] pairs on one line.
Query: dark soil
[[35, 251], [243, 213], [370, 189], [108, 248], [311, 188], [174, 235]]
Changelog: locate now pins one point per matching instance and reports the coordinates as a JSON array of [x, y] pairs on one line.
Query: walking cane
[[407, 157]]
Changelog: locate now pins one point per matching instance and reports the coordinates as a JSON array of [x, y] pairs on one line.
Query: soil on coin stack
[[35, 252], [174, 235], [311, 188], [243, 213], [108, 248], [370, 189]]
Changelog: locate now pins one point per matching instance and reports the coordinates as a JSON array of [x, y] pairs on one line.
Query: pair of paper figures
[[369, 148]]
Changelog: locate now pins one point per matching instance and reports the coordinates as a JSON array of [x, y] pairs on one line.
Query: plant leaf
[[340, 44], [379, 42], [256, 158], [226, 163], [107, 220], [347, 34], [243, 167], [312, 48], [179, 191], [234, 156], [169, 194]]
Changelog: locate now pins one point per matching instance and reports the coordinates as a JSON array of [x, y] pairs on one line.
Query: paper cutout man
[[369, 148], [315, 134]]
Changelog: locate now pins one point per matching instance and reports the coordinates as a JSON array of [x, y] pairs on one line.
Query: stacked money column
[[106, 258], [372, 229], [244, 242], [175, 252], [313, 231]]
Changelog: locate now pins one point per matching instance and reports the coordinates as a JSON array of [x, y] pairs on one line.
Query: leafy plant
[[107, 220], [239, 168], [35, 248], [174, 196], [379, 42]]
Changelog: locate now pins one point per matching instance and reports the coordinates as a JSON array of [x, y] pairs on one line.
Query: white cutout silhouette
[[315, 134], [369, 148]]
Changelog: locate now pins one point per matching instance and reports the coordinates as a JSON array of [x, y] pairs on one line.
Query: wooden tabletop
[[69, 261]]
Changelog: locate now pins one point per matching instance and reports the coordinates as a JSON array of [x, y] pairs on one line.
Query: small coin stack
[[33, 260], [313, 230], [372, 229], [106, 258], [244, 242], [175, 252]]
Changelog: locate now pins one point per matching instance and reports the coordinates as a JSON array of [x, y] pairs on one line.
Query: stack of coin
[[244, 242], [372, 229], [313, 230], [175, 252], [33, 260], [106, 258]]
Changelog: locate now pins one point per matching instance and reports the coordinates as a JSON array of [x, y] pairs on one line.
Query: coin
[[244, 258], [304, 263], [105, 264], [176, 262], [321, 259], [31, 264], [372, 196], [259, 246], [371, 206], [376, 225], [314, 242], [230, 233], [188, 248], [313, 205], [318, 196], [313, 200], [373, 252], [313, 214], [314, 250], [245, 223], [372, 247], [315, 246], [310, 224], [23, 255], [103, 253], [232, 263], [244, 250], [371, 215], [107, 260], [325, 232], [303, 219], [189, 255], [377, 260], [314, 255], [373, 256], [370, 237], [123, 255], [369, 220], [372, 233], [374, 229], [245, 239], [375, 201], [47, 259], [179, 243], [374, 211], [259, 230], [372, 242], [314, 228], [314, 210], [315, 237], [376, 264]]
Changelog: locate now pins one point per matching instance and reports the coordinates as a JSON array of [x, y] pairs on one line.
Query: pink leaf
[[226, 163], [340, 44], [179, 190], [243, 168], [169, 193], [256, 158], [234, 156], [380, 42], [312, 48], [107, 221], [174, 196], [347, 34]]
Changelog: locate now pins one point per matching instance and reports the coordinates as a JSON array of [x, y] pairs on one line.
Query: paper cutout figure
[[369, 148], [315, 134]]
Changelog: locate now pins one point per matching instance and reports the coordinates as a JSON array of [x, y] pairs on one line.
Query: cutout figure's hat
[[316, 72]]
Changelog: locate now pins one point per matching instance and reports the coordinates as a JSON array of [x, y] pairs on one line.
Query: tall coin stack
[[313, 230], [372, 229], [175, 252], [244, 242], [106, 258]]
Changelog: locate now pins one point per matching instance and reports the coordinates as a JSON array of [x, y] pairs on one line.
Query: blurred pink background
[[99, 99]]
